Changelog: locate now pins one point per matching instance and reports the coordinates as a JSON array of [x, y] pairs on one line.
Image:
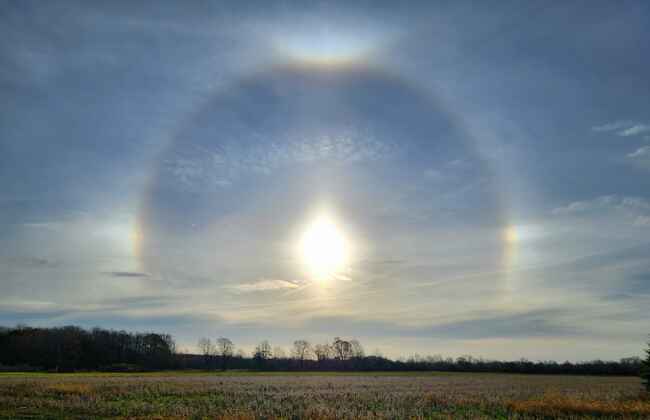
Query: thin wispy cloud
[[127, 274], [614, 126], [623, 128], [635, 130], [635, 210], [640, 157], [266, 285], [640, 153], [44, 225], [205, 169]]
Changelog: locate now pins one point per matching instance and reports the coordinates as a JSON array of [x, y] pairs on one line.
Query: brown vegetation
[[245, 395]]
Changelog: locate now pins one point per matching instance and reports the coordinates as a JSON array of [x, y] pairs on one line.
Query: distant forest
[[70, 348]]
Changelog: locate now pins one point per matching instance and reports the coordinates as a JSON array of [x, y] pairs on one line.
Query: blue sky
[[487, 170]]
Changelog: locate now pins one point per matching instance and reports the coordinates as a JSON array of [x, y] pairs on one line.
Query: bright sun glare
[[323, 249]]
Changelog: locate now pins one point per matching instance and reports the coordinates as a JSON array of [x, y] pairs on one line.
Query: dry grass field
[[319, 396]]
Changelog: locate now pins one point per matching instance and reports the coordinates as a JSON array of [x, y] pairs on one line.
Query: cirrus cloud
[[634, 209], [266, 285], [624, 128]]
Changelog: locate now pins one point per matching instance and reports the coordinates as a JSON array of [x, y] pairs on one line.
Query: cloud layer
[[490, 170]]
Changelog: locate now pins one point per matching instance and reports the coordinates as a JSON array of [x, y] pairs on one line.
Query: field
[[244, 395]]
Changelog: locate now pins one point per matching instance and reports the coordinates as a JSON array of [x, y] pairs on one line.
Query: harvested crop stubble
[[369, 396]]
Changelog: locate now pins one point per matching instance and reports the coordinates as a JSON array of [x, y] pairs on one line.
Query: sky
[[434, 178]]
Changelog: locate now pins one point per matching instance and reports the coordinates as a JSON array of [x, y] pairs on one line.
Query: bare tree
[[357, 349], [322, 352], [342, 349], [225, 349], [262, 352], [207, 350], [279, 353], [301, 351]]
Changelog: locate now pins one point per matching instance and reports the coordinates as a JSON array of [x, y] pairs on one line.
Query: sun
[[323, 248]]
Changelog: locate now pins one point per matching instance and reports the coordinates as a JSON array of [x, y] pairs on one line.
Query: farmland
[[248, 395]]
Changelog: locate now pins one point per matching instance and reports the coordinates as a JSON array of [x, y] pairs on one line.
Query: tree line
[[349, 355], [72, 348], [338, 355]]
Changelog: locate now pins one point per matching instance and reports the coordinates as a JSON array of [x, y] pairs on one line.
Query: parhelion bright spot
[[324, 249]]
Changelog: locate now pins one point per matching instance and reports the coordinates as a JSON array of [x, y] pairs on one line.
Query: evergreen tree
[[645, 369]]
